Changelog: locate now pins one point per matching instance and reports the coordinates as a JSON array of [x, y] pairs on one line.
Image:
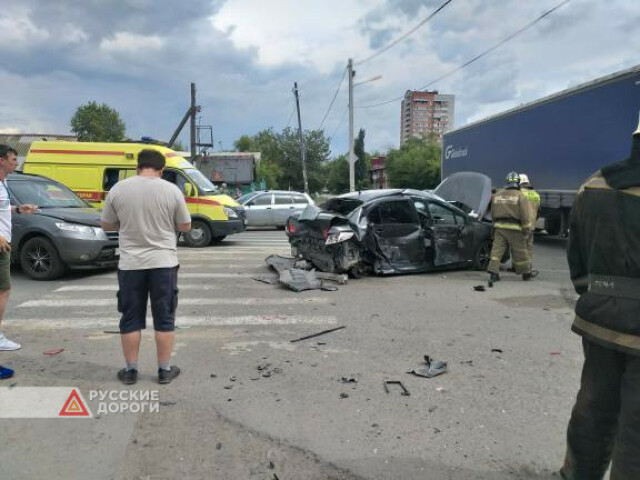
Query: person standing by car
[[604, 262], [148, 211], [511, 223], [534, 204], [8, 164]]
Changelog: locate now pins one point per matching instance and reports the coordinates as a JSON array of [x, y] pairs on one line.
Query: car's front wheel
[[40, 259], [199, 235], [482, 256]]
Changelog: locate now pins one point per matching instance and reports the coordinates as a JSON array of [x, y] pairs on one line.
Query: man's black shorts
[[136, 286]]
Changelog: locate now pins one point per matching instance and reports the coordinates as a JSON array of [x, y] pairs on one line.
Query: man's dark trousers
[[605, 422]]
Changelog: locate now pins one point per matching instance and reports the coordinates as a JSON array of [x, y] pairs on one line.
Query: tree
[[243, 144], [97, 123], [338, 176], [416, 164], [281, 158], [363, 163]]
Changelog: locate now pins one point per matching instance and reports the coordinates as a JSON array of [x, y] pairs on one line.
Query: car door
[[259, 210], [448, 233], [396, 236], [282, 208]]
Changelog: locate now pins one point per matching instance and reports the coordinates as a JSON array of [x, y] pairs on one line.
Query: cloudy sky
[[139, 56]]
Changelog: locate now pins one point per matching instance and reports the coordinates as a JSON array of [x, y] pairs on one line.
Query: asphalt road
[[252, 405]]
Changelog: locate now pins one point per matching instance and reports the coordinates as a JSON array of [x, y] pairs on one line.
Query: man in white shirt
[[148, 211], [8, 164]]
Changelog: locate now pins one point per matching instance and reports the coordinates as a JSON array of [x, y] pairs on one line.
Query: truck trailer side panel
[[558, 141]]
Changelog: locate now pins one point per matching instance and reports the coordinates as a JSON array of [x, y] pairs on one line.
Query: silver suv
[[272, 208]]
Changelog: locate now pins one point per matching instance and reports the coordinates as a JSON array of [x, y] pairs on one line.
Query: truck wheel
[[199, 236], [218, 239], [40, 260], [482, 256]]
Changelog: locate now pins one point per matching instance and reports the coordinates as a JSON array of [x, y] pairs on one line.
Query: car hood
[[84, 216], [468, 189]]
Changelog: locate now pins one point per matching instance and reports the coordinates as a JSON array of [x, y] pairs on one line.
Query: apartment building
[[426, 113]]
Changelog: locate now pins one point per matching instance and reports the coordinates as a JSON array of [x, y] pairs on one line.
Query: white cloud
[[131, 43]]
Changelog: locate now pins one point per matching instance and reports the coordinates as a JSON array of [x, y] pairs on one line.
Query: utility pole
[[303, 151], [193, 122], [352, 160]]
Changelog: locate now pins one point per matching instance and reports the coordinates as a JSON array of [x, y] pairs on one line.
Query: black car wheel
[[40, 259], [482, 256], [199, 235]]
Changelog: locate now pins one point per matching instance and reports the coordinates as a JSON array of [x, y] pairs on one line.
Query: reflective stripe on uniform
[[507, 225], [625, 340]]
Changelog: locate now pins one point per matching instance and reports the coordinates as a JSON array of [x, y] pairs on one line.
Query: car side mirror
[[189, 191]]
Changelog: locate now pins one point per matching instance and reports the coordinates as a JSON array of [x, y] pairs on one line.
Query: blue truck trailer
[[559, 141]]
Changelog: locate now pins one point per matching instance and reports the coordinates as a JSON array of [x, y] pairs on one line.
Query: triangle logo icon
[[74, 406]]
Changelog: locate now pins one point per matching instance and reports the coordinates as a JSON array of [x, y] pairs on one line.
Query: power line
[[344, 73], [477, 57], [293, 110], [344, 114], [409, 33]]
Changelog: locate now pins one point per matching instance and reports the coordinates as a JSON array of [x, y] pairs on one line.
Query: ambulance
[[90, 169]]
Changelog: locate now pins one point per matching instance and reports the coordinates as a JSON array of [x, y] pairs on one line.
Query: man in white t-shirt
[[8, 164], [148, 211]]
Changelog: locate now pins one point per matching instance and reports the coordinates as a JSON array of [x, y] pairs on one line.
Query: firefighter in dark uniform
[[604, 261], [511, 220]]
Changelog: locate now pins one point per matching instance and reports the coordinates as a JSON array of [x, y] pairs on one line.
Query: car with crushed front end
[[394, 231], [64, 232]]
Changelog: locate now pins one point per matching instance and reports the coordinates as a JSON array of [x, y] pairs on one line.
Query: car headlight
[[231, 213], [84, 230], [338, 237]]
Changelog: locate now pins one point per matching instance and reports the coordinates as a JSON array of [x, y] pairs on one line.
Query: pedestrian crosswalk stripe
[[195, 275], [114, 287], [181, 321], [103, 302]]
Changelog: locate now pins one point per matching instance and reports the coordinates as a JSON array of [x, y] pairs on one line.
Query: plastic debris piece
[[556, 353], [433, 368], [348, 380], [496, 350], [403, 389], [53, 351], [480, 288], [344, 395]]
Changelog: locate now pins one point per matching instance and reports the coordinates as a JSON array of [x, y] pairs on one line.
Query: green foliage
[[363, 163], [338, 175], [243, 144], [281, 162], [416, 164], [97, 123]]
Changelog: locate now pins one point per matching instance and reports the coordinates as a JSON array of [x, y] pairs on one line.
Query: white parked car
[[272, 208]]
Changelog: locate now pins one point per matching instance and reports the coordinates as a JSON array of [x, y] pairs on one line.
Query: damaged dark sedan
[[398, 231]]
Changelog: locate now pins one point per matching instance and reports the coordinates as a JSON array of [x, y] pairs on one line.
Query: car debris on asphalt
[[313, 335], [298, 275], [433, 368], [403, 390]]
